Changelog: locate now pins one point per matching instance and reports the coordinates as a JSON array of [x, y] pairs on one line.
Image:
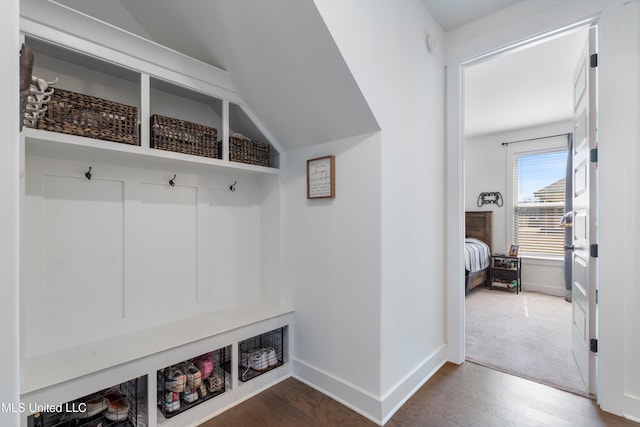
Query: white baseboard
[[361, 401], [632, 407], [378, 409], [545, 289], [393, 400]]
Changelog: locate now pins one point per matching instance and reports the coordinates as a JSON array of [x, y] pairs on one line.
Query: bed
[[478, 244]]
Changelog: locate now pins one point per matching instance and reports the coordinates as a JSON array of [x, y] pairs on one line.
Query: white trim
[[632, 407], [454, 226], [402, 391], [352, 396], [9, 214], [464, 48], [378, 409], [544, 289]]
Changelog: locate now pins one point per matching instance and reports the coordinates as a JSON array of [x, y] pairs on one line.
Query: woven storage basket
[[245, 150], [83, 115], [184, 137]]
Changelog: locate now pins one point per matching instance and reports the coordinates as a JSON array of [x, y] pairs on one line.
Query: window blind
[[538, 202]]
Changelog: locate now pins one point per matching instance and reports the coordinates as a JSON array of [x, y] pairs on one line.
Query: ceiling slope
[[280, 55], [452, 14]]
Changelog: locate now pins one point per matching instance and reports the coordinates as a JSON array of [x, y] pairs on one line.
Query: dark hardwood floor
[[465, 395]]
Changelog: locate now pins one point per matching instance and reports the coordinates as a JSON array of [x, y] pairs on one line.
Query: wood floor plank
[[466, 395]]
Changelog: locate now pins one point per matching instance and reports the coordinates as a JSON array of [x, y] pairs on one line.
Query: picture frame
[[513, 251], [321, 178]]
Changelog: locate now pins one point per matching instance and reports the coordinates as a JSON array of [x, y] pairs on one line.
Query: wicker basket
[[184, 137], [77, 114], [245, 150]]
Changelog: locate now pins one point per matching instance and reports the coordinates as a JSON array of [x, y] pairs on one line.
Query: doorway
[[505, 104]]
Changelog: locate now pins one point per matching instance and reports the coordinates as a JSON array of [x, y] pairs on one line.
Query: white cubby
[[84, 73], [124, 274], [179, 102], [123, 404]]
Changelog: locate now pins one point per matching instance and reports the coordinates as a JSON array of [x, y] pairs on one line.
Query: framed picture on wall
[[321, 177], [513, 251]]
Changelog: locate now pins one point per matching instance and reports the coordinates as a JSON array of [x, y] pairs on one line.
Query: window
[[538, 202]]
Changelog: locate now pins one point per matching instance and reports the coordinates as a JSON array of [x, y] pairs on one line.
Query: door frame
[[455, 185]]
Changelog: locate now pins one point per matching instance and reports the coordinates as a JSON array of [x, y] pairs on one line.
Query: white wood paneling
[[230, 236], [127, 252], [168, 230], [82, 252]]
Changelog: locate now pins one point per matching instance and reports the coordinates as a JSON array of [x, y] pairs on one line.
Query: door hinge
[[594, 60], [597, 296], [593, 155], [594, 345], [593, 251]]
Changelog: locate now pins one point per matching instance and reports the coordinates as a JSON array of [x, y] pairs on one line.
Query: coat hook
[[172, 181], [88, 173], [232, 187]]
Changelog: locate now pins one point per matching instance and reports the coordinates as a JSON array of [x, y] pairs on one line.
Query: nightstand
[[507, 270]]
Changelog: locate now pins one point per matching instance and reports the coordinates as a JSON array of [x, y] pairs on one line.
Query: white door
[[583, 328]]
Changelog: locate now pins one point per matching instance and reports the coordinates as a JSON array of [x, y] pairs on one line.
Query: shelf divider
[[225, 130], [145, 110]]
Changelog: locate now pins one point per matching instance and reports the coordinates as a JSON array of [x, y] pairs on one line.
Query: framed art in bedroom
[[513, 251]]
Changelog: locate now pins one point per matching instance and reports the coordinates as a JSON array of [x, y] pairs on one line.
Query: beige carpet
[[527, 335]]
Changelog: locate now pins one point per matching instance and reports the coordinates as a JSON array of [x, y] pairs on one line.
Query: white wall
[[487, 168], [331, 270], [9, 222], [404, 87], [619, 339]]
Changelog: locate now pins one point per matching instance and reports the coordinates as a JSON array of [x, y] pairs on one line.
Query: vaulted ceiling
[[281, 58], [285, 64]]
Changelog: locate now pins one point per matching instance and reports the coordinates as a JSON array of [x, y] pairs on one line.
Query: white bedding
[[476, 255]]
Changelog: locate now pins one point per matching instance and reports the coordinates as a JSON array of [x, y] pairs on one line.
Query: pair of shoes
[[175, 380], [190, 395], [271, 356], [117, 406], [171, 401], [95, 405], [202, 391], [255, 360], [205, 365], [194, 376], [214, 383], [260, 359]]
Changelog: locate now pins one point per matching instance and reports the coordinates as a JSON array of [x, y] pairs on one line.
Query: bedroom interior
[[536, 344]]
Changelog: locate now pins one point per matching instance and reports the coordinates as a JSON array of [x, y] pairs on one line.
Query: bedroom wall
[[403, 85], [9, 222], [619, 339], [487, 168]]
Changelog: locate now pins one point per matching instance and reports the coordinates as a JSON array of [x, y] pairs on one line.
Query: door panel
[[580, 178], [584, 205]]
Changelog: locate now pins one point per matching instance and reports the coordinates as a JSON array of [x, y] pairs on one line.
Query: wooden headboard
[[479, 225]]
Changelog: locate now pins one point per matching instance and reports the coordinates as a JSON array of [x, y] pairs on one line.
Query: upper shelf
[[71, 147], [87, 74]]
